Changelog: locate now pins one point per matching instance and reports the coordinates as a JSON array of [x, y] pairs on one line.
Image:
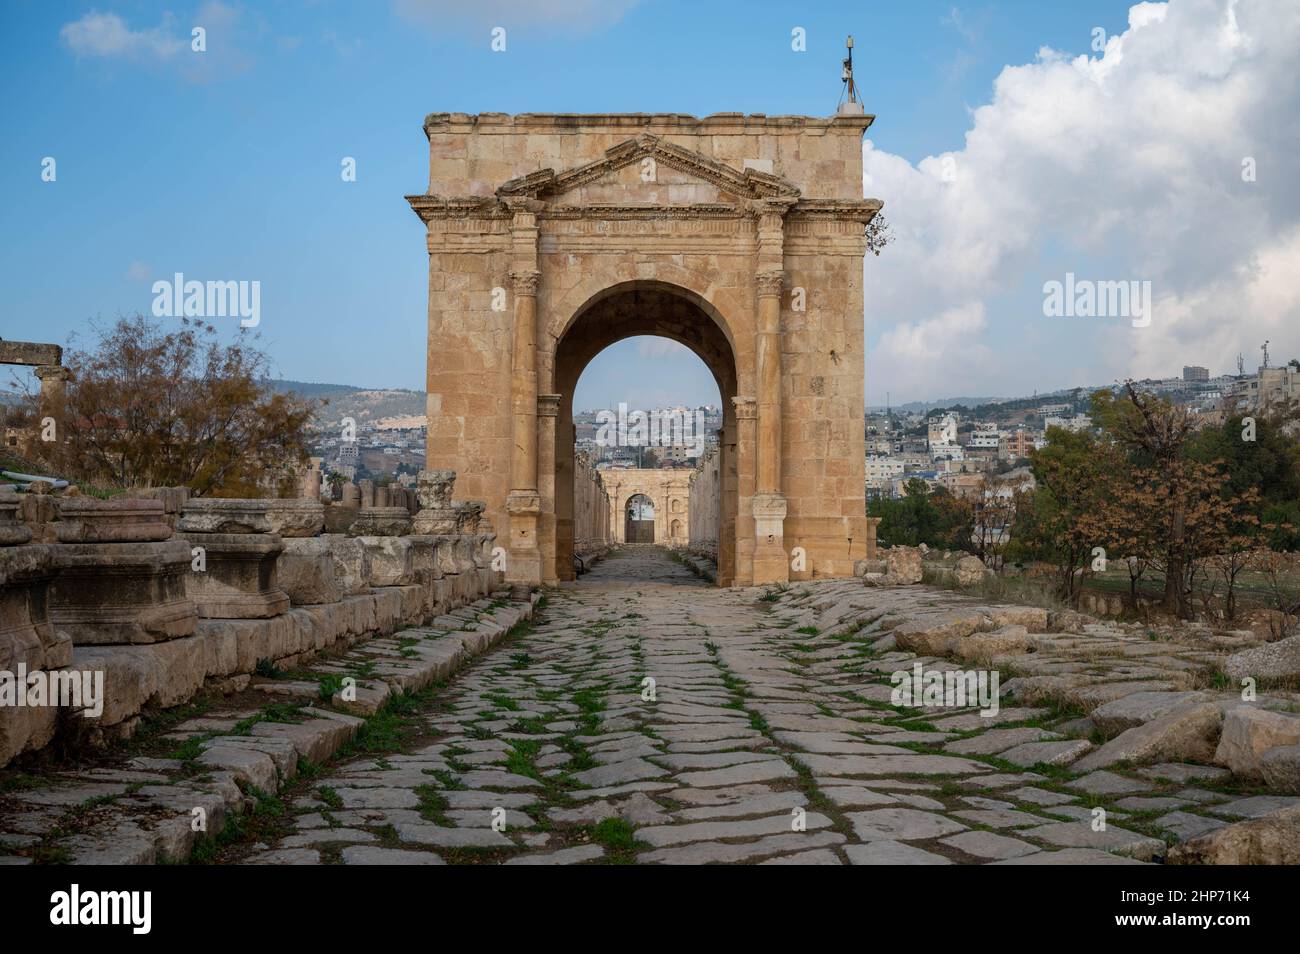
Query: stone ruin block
[[339, 517], [237, 545], [288, 518], [306, 572], [389, 561], [437, 515], [350, 563], [173, 500], [381, 522], [120, 520], [234, 575], [27, 636], [122, 593]]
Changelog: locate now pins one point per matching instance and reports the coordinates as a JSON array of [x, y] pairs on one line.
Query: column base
[[524, 555], [771, 562]]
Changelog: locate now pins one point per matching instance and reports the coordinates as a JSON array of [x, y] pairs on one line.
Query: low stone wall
[[162, 605]]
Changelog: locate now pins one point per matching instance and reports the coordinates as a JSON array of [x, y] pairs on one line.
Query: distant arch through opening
[[634, 309]]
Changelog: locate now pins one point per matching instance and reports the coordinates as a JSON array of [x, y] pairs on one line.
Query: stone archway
[[639, 519], [741, 236], [623, 311]]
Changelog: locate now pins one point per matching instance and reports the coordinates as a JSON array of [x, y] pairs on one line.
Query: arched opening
[[637, 309], [639, 519]]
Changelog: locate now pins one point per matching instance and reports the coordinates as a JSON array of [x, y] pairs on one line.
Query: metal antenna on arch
[[851, 106]]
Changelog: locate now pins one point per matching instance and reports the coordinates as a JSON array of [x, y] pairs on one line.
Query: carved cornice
[[709, 210], [430, 207]]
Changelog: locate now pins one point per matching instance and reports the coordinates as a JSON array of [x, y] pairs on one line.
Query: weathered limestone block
[[237, 579], [351, 496], [122, 593], [982, 647], [160, 674], [1281, 768], [434, 488], [12, 532], [339, 517], [25, 729], [1279, 660], [306, 571], [1248, 733], [349, 556], [39, 513], [1185, 733], [389, 560], [934, 635], [902, 568], [288, 518], [437, 515], [1139, 708], [381, 522], [173, 500], [26, 634], [970, 571], [120, 520], [874, 567], [1271, 840]]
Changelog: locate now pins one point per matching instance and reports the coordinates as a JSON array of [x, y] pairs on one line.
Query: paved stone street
[[761, 740]]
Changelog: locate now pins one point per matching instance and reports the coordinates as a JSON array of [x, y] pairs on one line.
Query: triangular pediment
[[728, 181]]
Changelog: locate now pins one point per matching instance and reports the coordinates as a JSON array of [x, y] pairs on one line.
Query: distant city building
[[1195, 373], [1077, 423], [943, 430], [985, 434]]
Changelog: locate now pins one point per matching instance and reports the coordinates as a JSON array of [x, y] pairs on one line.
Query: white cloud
[[227, 35], [650, 347], [107, 35], [1122, 166], [138, 271]]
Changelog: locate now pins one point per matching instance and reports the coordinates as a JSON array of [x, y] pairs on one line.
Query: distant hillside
[[364, 405]]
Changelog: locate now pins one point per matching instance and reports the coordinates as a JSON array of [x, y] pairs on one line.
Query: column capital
[[746, 408], [770, 282], [52, 372], [548, 405], [525, 281]]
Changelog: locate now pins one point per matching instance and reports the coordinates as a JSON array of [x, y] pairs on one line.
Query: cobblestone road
[[760, 740]]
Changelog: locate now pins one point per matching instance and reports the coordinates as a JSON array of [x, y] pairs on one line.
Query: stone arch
[[609, 315]]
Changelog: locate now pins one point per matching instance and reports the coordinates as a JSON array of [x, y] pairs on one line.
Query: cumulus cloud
[[1124, 165], [227, 34], [107, 35]]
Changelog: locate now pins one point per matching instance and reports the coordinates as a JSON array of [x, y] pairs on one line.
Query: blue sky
[[226, 164]]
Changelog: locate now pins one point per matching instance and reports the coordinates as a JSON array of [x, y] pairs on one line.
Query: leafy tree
[[1066, 520], [934, 518], [148, 406]]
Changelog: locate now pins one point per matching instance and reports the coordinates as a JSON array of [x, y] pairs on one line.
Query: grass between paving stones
[[804, 781], [398, 726]]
